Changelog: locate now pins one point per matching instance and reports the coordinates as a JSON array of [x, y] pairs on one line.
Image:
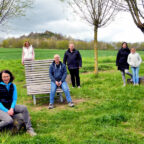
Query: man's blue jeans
[[135, 71], [64, 86]]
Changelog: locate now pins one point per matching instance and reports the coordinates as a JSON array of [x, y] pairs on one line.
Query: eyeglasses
[[5, 76]]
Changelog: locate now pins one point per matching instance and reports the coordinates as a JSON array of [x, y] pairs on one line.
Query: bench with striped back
[[38, 80]]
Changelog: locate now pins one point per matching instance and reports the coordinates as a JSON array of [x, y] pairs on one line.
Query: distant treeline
[[50, 43]]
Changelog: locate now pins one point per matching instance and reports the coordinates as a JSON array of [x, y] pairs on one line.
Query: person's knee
[[24, 108], [53, 90], [65, 87]]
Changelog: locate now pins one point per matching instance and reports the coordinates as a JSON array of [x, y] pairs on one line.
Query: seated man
[[58, 75]]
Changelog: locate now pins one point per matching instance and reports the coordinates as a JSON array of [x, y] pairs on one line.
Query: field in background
[[105, 112]]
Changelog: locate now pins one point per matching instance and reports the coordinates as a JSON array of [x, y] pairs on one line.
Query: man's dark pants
[[75, 76]]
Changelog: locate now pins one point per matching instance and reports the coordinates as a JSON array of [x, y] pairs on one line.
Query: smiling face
[[27, 44], [124, 45], [57, 59], [133, 50], [71, 46], [5, 78]]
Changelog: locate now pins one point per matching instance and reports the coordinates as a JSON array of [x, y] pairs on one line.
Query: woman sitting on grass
[[134, 60], [8, 107]]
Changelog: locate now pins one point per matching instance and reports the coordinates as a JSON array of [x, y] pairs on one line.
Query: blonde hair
[[26, 42]]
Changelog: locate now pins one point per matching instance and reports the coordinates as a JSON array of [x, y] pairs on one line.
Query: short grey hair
[[56, 55]]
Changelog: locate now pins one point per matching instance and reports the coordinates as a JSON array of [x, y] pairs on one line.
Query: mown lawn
[[105, 112]]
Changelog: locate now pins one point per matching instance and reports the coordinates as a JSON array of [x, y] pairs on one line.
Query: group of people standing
[[126, 58], [58, 72]]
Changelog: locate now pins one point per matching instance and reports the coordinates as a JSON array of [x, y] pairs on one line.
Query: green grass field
[[105, 112]]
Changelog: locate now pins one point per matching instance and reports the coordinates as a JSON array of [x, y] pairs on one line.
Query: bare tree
[[136, 9], [12, 8], [98, 13]]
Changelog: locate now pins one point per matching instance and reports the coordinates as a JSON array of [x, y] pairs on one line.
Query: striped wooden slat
[[37, 77]]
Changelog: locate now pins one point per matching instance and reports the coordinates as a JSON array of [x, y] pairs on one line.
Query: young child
[[134, 60]]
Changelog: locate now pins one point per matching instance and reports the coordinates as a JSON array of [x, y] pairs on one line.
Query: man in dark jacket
[[58, 75], [74, 61]]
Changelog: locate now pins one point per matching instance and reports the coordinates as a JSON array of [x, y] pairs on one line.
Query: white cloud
[[122, 29], [55, 16]]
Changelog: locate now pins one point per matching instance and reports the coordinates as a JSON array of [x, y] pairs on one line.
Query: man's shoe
[[79, 87], [51, 106], [31, 132], [71, 104]]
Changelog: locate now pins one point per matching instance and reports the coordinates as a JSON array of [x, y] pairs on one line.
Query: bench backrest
[[37, 76]]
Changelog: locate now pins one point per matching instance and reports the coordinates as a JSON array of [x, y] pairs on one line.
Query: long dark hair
[[8, 72], [124, 43]]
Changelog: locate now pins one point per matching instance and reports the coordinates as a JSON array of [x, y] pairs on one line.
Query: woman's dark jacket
[[121, 60], [6, 97], [73, 59]]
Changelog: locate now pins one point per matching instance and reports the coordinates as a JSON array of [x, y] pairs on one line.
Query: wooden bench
[[38, 80]]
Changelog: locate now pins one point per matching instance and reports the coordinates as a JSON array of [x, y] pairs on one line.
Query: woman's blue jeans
[[64, 87], [135, 71]]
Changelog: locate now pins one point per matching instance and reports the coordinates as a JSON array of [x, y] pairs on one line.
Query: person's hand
[[60, 83], [11, 112], [79, 67], [57, 83]]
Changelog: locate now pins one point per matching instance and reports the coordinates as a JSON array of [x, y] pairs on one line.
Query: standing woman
[[134, 60], [27, 52], [8, 106], [121, 61]]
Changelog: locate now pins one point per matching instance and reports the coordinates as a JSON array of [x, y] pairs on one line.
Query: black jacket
[[6, 97], [73, 59], [121, 60]]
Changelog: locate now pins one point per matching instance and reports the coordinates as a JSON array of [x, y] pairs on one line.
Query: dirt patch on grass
[[57, 105]]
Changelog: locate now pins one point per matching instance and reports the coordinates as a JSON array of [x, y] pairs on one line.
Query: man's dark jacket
[[73, 59], [121, 60], [57, 72]]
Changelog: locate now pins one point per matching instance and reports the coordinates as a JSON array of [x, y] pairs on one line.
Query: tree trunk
[[95, 50]]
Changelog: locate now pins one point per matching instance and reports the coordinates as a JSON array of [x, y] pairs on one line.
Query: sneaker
[[71, 104], [31, 132], [79, 87], [124, 85], [131, 80], [51, 106]]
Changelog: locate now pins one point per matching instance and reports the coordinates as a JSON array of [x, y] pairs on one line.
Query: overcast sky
[[52, 15]]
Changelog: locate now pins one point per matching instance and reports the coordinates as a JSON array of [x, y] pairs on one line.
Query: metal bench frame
[[38, 80]]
